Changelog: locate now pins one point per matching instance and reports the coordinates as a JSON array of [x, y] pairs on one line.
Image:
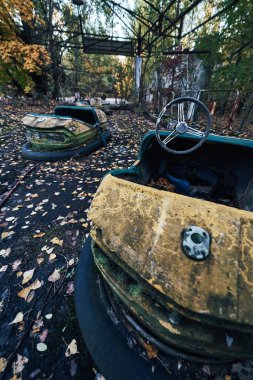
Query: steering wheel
[[183, 115]]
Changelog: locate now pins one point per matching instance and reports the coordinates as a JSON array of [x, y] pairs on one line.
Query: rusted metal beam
[[176, 19], [162, 14]]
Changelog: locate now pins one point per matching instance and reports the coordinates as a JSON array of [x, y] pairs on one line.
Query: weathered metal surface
[[167, 325], [45, 122], [41, 121], [142, 227]]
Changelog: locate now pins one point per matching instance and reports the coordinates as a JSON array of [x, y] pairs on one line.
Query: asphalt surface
[[42, 228]]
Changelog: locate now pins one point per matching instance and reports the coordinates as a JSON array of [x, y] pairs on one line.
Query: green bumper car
[[168, 270], [70, 131]]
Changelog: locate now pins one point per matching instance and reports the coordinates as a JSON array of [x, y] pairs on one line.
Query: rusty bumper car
[[71, 131], [172, 247]]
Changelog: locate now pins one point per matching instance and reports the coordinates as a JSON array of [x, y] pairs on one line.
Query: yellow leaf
[[3, 363], [39, 235], [6, 234], [52, 256], [55, 240], [24, 292]]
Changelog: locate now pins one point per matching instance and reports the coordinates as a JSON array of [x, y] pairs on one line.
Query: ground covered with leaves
[[43, 226]]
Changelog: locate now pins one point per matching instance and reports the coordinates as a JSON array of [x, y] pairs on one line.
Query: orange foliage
[[13, 50]]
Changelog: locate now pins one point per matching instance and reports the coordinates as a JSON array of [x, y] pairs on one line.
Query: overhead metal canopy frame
[[108, 45], [168, 23]]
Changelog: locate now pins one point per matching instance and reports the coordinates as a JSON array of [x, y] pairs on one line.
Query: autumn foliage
[[18, 59]]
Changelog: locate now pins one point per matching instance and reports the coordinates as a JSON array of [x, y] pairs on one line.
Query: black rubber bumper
[[105, 342], [65, 154]]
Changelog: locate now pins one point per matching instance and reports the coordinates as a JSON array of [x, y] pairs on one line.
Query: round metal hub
[[196, 243], [181, 127]]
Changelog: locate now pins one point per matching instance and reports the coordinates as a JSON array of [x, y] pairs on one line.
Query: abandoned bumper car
[[70, 131], [168, 269]]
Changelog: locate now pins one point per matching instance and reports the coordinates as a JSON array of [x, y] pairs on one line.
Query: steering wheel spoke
[[170, 137], [180, 112], [195, 131]]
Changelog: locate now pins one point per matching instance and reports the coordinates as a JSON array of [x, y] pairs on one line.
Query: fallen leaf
[[41, 347], [27, 276], [3, 363], [19, 365], [151, 350], [19, 318], [30, 296], [71, 262], [10, 219], [39, 235], [5, 252], [52, 256], [16, 264], [71, 349], [55, 240], [40, 260], [72, 221], [35, 285], [3, 268], [43, 335], [70, 287], [7, 234], [55, 276]]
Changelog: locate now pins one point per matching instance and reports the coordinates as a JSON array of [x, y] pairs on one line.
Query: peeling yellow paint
[[169, 327], [143, 227]]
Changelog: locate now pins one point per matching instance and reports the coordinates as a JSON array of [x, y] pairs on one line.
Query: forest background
[[41, 51]]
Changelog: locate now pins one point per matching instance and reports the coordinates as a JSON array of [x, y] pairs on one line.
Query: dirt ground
[[42, 228]]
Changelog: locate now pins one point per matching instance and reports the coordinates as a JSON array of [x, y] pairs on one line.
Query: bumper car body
[[181, 261], [67, 130]]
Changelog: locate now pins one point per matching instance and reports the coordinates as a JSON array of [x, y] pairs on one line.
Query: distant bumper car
[[70, 131], [97, 103], [168, 270]]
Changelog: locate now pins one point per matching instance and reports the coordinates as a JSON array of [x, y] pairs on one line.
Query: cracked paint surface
[[143, 227]]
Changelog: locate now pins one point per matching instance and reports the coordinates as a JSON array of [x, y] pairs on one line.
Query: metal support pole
[[138, 73], [138, 67]]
